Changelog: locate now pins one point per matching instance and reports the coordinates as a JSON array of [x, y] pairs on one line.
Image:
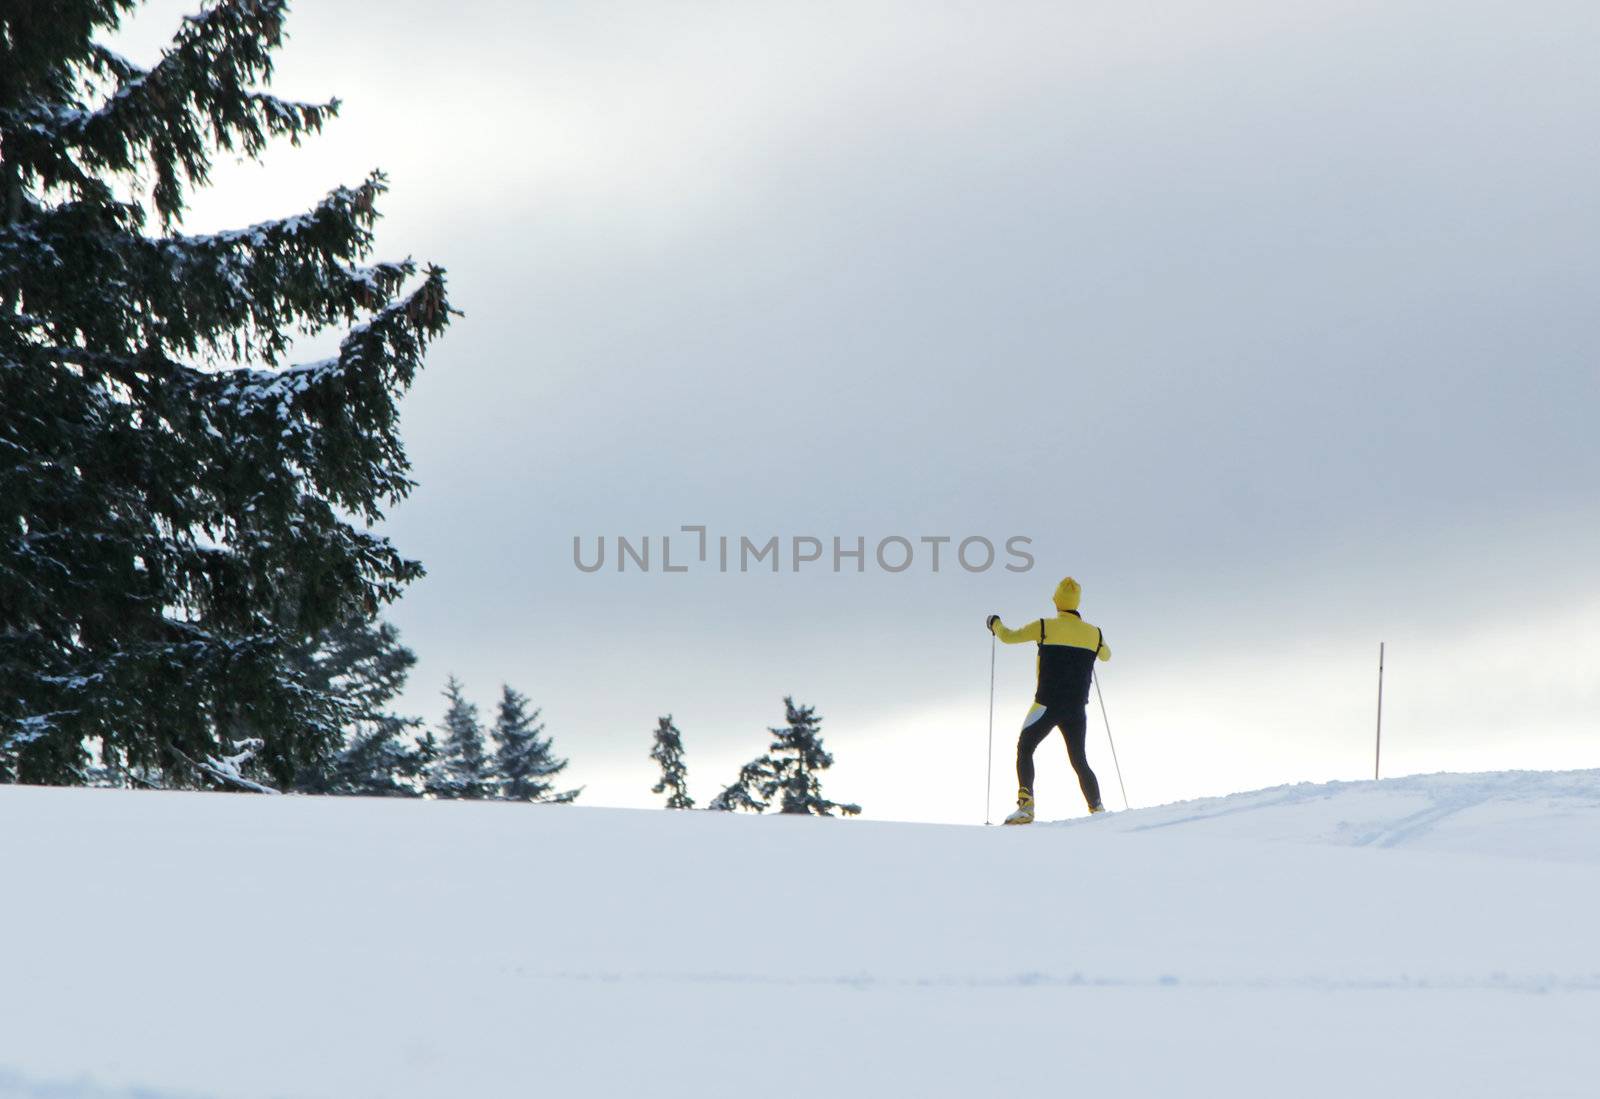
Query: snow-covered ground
[[1430, 936]]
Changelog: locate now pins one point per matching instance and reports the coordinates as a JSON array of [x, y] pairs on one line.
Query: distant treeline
[[378, 753], [788, 773]]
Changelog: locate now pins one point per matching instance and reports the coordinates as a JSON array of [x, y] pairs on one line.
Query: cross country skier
[[1068, 647]]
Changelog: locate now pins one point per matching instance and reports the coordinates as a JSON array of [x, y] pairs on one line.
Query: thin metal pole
[[1377, 758], [1113, 743], [988, 775]]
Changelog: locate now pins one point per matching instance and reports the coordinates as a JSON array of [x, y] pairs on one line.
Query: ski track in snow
[[1534, 794], [864, 982], [15, 1086]]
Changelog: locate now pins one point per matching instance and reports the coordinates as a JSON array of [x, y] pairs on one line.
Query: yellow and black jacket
[[1068, 648]]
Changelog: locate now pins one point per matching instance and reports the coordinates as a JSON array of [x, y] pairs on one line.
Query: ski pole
[[988, 774], [1377, 751], [1113, 743]]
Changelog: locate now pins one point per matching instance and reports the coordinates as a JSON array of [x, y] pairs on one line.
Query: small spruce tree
[[379, 760], [363, 664], [798, 760], [427, 752], [745, 791], [525, 760], [461, 767], [668, 753]]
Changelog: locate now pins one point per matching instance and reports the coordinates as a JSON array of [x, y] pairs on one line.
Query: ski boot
[[1096, 808], [1024, 813]]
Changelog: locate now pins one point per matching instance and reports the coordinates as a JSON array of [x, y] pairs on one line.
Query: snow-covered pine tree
[[378, 760], [744, 791], [461, 768], [178, 506], [798, 762], [668, 753], [525, 763], [363, 664], [427, 758]]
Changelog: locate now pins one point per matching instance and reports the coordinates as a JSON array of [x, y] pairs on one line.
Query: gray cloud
[[1248, 315]]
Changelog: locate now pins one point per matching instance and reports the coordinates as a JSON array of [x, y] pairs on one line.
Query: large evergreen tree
[[179, 507], [668, 753], [525, 760], [798, 760], [461, 768], [363, 664]]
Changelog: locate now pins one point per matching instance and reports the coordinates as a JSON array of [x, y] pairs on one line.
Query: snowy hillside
[[1430, 936]]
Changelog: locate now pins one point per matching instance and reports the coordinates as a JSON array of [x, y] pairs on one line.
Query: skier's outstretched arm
[[1104, 652], [1030, 632]]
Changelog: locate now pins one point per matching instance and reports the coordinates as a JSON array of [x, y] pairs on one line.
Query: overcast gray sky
[[1274, 324]]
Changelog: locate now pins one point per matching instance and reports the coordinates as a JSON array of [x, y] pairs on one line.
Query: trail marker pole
[[1113, 743], [1377, 757], [988, 773]]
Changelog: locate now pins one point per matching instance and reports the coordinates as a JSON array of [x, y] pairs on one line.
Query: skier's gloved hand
[[990, 621]]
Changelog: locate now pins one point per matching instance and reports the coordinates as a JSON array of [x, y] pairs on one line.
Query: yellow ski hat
[[1068, 593]]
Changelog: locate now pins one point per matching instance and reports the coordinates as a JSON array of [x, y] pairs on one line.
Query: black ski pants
[[1074, 724]]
